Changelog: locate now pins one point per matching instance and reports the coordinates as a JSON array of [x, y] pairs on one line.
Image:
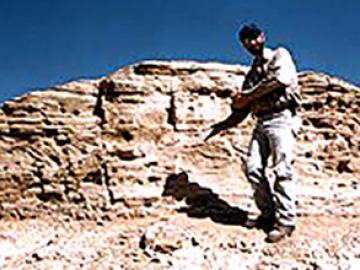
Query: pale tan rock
[[153, 124], [164, 238], [193, 111]]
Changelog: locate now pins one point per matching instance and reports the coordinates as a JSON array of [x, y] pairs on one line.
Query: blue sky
[[46, 42]]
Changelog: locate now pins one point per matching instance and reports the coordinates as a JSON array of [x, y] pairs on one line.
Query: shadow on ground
[[202, 202]]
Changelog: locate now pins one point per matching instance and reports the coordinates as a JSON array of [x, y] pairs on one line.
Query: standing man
[[271, 93]]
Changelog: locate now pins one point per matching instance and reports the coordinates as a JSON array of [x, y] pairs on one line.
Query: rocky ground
[[176, 241], [113, 173]]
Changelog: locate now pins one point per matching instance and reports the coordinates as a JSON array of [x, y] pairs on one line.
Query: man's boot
[[265, 223], [279, 232]]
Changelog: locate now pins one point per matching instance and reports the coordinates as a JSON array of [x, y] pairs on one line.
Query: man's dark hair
[[249, 31]]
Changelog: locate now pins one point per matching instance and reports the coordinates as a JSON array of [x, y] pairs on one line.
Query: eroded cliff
[[131, 146]]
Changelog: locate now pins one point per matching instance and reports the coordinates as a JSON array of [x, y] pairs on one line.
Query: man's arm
[[262, 88]]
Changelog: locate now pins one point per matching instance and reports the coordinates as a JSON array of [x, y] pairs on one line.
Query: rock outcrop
[[132, 146]]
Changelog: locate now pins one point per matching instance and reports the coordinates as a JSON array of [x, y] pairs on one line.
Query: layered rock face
[[108, 145], [130, 149]]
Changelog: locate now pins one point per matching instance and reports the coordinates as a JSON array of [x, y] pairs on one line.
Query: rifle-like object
[[237, 116]]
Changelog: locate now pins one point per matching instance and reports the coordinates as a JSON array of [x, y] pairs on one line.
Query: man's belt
[[272, 112]]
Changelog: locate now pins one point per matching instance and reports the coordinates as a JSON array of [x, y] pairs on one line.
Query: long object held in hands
[[232, 120]]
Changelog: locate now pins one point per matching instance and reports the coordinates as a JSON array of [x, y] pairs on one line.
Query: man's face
[[255, 44]]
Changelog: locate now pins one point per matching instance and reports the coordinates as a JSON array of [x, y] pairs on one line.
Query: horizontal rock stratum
[[127, 145]]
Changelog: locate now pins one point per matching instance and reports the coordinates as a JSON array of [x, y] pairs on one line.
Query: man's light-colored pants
[[271, 146]]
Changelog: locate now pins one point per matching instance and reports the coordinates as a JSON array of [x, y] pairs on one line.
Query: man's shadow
[[202, 202]]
